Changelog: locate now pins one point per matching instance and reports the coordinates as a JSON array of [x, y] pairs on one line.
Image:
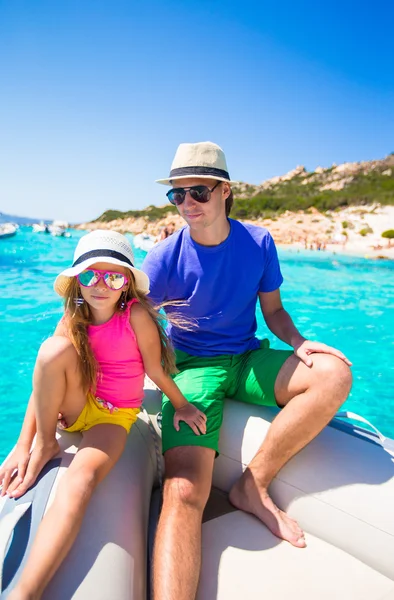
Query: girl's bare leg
[[56, 387], [100, 449]]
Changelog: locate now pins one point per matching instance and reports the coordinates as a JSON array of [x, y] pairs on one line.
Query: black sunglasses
[[200, 193]]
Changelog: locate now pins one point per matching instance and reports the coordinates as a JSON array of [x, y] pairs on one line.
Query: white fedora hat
[[105, 246], [199, 161]]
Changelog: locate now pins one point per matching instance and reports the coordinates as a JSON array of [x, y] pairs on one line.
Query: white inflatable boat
[[109, 558], [7, 230], [340, 489], [144, 241]]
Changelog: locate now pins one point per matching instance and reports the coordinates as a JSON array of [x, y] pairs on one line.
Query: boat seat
[[340, 488], [108, 560], [242, 559]]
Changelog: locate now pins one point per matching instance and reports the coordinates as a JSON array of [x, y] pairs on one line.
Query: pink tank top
[[122, 371]]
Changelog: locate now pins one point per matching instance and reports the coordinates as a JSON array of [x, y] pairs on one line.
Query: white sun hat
[[200, 161], [102, 246]]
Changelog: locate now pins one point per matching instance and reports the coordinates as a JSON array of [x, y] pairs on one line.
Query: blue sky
[[96, 95]]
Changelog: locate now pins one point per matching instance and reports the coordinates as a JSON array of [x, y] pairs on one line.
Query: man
[[221, 267]]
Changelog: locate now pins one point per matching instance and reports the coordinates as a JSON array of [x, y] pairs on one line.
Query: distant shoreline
[[351, 231], [333, 250]]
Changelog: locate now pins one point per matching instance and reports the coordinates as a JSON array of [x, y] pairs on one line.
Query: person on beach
[[164, 233], [171, 228], [92, 372], [220, 268]]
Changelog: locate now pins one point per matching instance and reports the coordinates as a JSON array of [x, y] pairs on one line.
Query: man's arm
[[278, 319], [280, 323]]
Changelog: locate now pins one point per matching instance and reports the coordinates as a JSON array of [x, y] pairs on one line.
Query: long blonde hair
[[78, 317]]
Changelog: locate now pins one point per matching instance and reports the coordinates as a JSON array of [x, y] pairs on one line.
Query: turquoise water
[[342, 301]]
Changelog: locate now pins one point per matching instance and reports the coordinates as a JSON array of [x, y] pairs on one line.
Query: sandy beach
[[356, 230]]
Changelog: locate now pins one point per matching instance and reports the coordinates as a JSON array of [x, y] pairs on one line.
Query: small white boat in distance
[[59, 232], [59, 229], [40, 227], [144, 241], [7, 230]]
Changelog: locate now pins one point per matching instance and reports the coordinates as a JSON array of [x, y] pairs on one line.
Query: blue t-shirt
[[219, 283]]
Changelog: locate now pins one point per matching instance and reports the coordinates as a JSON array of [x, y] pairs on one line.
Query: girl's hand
[[17, 463], [196, 419]]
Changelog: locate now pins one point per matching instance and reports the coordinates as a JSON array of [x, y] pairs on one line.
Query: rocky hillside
[[325, 189], [333, 178]]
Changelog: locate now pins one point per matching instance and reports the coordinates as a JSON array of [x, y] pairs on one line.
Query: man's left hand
[[304, 348]]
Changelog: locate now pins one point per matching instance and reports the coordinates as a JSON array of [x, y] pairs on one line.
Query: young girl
[[92, 372]]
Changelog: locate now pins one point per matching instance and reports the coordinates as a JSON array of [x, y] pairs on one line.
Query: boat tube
[[108, 560], [340, 488]]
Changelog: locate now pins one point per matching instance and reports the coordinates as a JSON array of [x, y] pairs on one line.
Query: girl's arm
[[19, 458], [28, 430], [149, 345]]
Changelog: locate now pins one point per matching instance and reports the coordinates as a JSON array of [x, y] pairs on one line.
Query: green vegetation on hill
[[389, 235], [293, 195], [151, 212], [290, 195]]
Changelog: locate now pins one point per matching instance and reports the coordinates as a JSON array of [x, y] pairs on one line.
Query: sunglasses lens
[[115, 281], [88, 278], [176, 196], [200, 193]]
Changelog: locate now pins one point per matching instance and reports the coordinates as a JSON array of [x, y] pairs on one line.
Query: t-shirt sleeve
[[154, 267], [272, 278]]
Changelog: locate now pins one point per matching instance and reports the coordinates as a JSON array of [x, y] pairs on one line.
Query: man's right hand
[[16, 463]]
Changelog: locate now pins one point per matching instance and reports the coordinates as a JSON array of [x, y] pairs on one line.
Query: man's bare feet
[[246, 496], [39, 457]]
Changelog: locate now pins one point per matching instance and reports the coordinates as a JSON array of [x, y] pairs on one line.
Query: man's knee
[[188, 477], [332, 370], [333, 375], [182, 492]]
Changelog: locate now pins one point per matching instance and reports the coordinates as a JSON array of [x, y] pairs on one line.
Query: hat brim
[[192, 176], [62, 280]]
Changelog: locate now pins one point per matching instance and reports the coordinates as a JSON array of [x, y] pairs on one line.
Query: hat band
[[102, 254], [208, 171]]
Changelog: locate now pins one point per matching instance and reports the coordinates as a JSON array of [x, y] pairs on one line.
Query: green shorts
[[207, 380]]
